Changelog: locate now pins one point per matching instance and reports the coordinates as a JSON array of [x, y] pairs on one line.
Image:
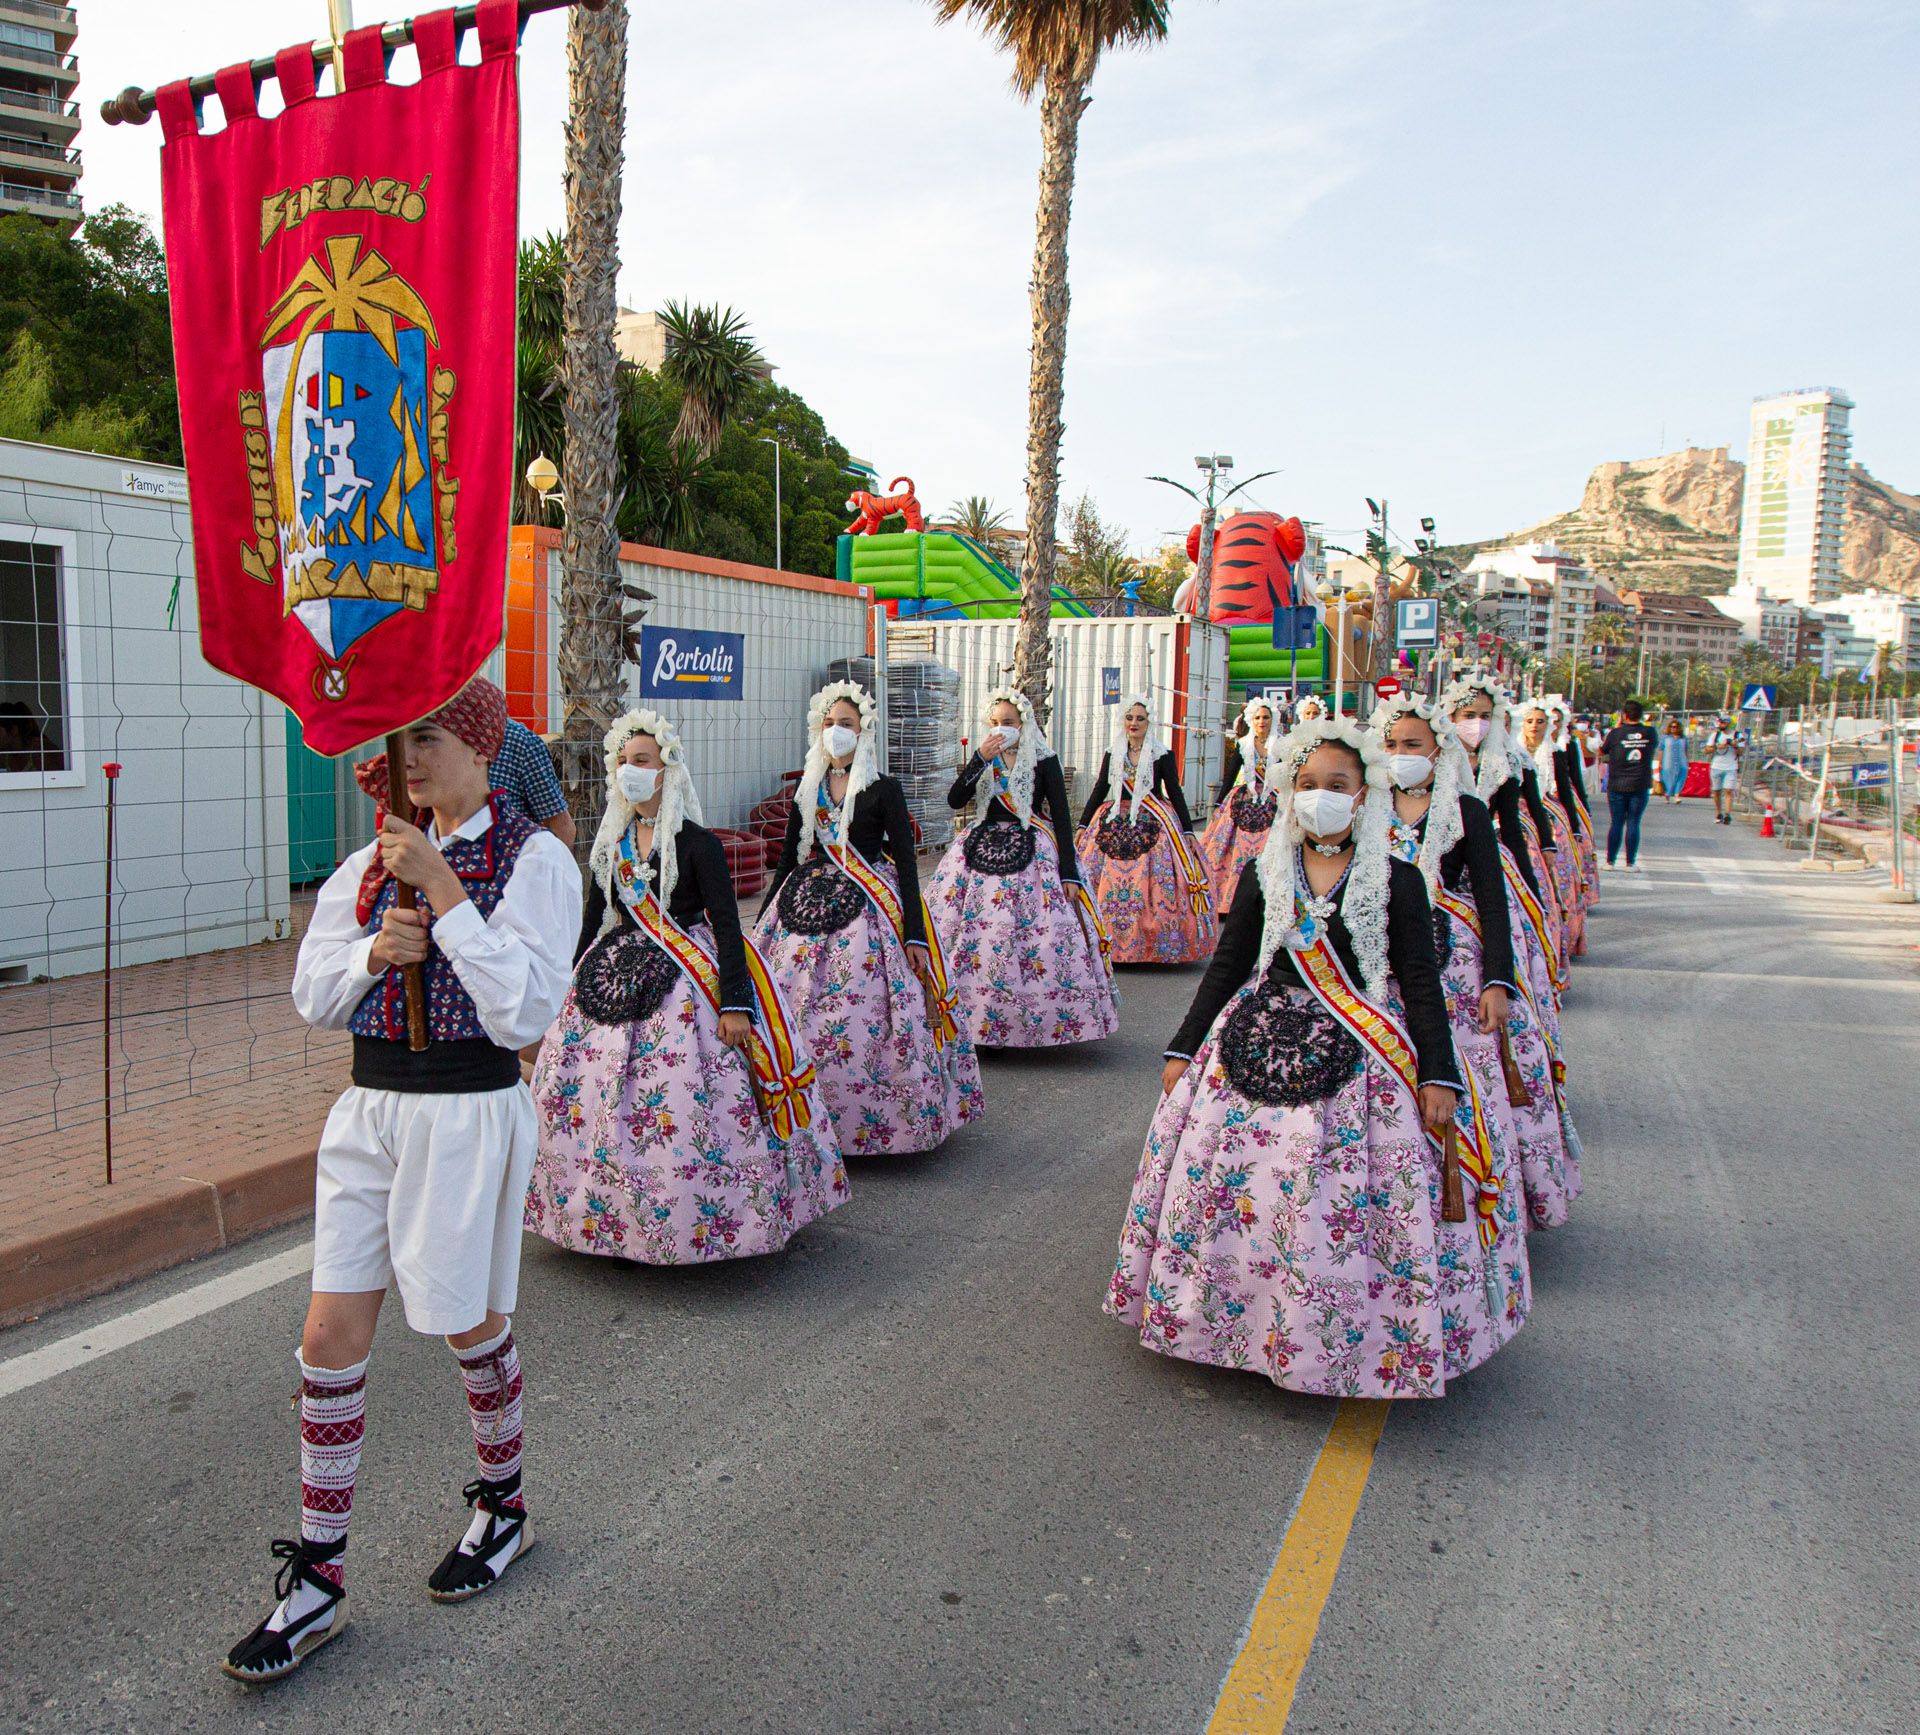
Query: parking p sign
[[1417, 622]]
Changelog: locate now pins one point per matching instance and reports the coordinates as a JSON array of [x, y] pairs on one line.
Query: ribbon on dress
[[1089, 914], [780, 1083], [1384, 1037]]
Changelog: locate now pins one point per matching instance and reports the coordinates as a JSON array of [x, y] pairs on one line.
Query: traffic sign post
[[1417, 623], [1756, 697], [1386, 688]]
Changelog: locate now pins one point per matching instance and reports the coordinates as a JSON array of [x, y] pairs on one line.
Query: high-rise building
[[1794, 508], [39, 167]]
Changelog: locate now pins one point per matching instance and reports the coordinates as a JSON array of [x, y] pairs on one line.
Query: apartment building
[[39, 118], [1542, 590], [1884, 617], [1794, 508], [1675, 624], [1770, 622]]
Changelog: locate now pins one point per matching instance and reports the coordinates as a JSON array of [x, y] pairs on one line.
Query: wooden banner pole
[[413, 975]]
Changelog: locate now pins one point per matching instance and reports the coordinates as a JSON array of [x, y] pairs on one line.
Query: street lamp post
[[767, 440], [1212, 463]]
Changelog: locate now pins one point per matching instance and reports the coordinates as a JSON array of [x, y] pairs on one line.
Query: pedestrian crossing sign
[[1757, 698]]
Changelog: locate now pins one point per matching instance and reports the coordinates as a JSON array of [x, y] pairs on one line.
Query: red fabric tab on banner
[[365, 56], [436, 41], [498, 22], [179, 113], [342, 280], [293, 67], [235, 88]]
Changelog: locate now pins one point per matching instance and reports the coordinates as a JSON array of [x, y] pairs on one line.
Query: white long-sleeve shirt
[[516, 965]]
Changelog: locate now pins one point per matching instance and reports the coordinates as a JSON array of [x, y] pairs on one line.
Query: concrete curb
[[160, 1224]]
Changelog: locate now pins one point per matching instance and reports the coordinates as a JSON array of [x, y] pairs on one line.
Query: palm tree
[[591, 649], [978, 517], [1610, 632], [713, 362], [540, 425], [1056, 45]]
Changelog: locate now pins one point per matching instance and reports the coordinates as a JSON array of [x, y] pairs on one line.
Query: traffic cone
[[1766, 821]]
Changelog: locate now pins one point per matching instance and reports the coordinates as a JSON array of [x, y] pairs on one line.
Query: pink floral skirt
[[1303, 1243], [1228, 844], [652, 1149], [1141, 893], [1549, 1144], [1566, 882], [862, 1012], [1020, 961]]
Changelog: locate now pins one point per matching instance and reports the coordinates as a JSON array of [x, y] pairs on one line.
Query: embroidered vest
[[484, 864]]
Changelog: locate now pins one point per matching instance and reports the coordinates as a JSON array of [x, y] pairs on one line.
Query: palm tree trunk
[[591, 652], [1061, 102]]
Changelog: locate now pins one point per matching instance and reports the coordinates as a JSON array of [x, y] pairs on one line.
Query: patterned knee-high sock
[[492, 1374], [333, 1419]]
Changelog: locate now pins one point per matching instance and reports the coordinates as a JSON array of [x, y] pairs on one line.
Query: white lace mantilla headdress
[[1031, 748], [860, 775], [678, 802], [1263, 779], [1496, 751], [1141, 783], [1444, 827], [1364, 907], [1541, 757]]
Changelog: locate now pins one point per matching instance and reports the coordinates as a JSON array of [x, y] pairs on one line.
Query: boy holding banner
[[425, 1158]]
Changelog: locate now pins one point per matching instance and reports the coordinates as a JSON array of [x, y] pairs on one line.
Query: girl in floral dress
[[1243, 808], [1025, 951], [1534, 720], [845, 934], [1449, 836], [1138, 855], [1476, 706], [679, 1119], [1571, 788], [1287, 1216]]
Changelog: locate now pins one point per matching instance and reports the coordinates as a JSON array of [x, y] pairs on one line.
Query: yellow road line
[[1258, 1692]]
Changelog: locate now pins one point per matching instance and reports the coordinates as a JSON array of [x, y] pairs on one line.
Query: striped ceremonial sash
[[780, 1083], [1461, 909], [886, 900], [1383, 1036], [1536, 916]]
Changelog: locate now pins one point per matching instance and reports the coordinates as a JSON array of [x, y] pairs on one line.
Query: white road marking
[[67, 1353], [1724, 878]]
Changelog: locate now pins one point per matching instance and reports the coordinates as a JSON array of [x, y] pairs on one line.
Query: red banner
[[342, 278]]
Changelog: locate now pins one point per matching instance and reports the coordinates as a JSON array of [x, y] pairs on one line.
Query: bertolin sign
[[686, 663]]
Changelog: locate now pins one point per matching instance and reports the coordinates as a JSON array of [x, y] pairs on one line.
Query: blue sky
[[1455, 254]]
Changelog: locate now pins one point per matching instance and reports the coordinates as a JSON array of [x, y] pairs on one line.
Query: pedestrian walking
[[1446, 832], [1138, 856], [1286, 1215], [523, 768], [1673, 760], [1629, 751], [1024, 946], [680, 1121], [846, 934], [425, 1156], [1244, 803], [1723, 769]]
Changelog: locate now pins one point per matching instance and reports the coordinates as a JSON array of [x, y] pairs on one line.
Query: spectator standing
[[1723, 769], [1628, 751], [1673, 760], [524, 769]]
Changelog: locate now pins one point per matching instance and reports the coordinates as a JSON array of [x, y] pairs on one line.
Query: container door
[[312, 840]]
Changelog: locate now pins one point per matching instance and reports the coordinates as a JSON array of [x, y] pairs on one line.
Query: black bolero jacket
[[1475, 862], [1166, 785], [702, 887], [1529, 781], [1506, 821], [1409, 955], [879, 822], [1049, 796]]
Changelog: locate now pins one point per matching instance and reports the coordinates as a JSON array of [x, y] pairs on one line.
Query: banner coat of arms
[[343, 290]]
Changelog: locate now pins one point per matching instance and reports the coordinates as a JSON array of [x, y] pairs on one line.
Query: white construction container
[[1179, 663]]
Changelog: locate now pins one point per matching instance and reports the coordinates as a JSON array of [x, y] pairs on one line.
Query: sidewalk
[[219, 1094]]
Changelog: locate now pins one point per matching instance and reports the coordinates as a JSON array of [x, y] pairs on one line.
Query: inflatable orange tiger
[[1254, 554], [872, 509]]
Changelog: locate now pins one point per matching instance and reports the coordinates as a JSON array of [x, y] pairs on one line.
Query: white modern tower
[[1794, 510]]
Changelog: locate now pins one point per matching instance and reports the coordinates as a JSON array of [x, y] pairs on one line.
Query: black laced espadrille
[[465, 1574], [266, 1655]]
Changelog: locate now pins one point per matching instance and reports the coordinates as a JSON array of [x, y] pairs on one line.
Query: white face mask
[[638, 782], [1009, 734], [1409, 770], [839, 740], [1323, 812], [1471, 730]]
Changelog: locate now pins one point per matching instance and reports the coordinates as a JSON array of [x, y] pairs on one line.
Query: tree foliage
[[88, 352], [1097, 562]]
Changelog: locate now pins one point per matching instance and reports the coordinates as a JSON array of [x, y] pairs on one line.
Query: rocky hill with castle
[[1673, 523]]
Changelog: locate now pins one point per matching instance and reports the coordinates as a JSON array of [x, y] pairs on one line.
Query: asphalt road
[[907, 1477]]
